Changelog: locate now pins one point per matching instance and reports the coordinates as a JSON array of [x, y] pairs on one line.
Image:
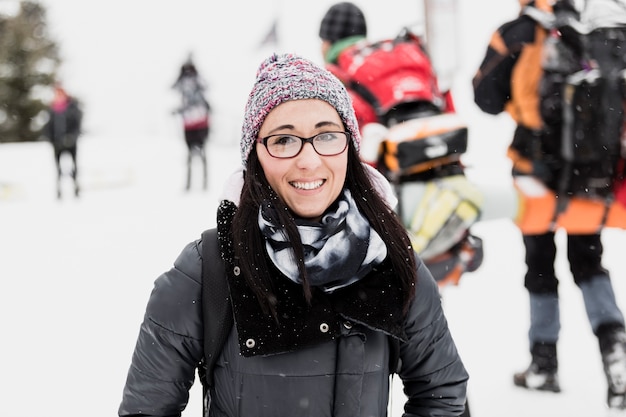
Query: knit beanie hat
[[341, 21], [287, 77]]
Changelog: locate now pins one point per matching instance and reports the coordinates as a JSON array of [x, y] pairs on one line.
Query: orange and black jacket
[[508, 80]]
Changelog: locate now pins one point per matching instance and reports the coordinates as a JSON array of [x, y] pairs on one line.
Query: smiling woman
[[328, 296]]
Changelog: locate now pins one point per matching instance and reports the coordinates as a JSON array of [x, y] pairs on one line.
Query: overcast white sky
[[122, 56]]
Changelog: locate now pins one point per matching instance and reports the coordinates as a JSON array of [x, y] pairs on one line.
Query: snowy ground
[[75, 274]]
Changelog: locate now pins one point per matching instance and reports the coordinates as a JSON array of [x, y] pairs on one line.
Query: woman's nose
[[308, 157]]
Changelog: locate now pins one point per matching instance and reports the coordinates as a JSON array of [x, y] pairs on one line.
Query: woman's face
[[308, 183]]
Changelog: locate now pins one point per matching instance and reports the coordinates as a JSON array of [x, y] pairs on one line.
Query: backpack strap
[[217, 313]]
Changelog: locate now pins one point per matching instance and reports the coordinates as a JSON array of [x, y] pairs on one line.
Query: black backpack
[[582, 108]]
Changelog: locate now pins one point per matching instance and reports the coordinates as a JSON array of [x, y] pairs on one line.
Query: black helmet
[[342, 21]]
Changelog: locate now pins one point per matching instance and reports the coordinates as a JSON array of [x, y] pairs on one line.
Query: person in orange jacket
[[508, 79]]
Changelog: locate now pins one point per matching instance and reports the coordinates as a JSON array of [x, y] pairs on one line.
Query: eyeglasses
[[289, 146]]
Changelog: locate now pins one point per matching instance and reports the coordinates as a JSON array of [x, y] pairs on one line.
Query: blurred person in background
[[513, 77], [195, 112], [63, 129], [394, 88]]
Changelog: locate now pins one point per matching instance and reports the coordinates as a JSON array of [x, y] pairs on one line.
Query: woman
[[321, 273]]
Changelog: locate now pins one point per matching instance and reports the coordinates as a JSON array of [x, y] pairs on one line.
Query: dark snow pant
[[584, 253], [196, 140], [58, 153]]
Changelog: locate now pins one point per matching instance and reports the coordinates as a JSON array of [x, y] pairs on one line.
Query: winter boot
[[613, 349], [541, 374]]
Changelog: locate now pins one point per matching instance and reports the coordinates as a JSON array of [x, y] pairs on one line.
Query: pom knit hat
[[287, 77], [341, 21]]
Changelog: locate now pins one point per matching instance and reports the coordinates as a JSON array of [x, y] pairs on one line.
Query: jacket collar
[[374, 302]]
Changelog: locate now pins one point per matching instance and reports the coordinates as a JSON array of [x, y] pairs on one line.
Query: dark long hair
[[249, 244]]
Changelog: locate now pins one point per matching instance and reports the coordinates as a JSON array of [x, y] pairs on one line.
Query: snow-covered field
[[75, 274]]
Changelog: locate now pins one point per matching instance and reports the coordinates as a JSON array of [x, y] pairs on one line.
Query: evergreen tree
[[29, 60]]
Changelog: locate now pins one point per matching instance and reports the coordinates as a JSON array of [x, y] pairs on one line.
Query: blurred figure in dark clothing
[[62, 130], [195, 112]]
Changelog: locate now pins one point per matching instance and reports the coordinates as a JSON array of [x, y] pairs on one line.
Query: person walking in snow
[[509, 80], [324, 284], [62, 130], [343, 32], [195, 111]]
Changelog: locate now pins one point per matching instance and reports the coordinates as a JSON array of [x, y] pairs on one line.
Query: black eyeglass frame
[[303, 141]]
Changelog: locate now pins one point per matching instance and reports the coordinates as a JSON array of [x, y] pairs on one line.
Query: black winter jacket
[[63, 129], [335, 363]]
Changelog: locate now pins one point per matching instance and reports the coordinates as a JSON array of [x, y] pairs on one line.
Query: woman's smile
[[310, 185]]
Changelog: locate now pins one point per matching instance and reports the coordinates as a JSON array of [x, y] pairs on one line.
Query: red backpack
[[395, 76]]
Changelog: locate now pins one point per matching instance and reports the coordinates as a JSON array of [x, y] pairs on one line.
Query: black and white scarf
[[338, 251]]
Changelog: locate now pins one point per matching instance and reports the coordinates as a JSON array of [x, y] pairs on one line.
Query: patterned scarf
[[338, 251]]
